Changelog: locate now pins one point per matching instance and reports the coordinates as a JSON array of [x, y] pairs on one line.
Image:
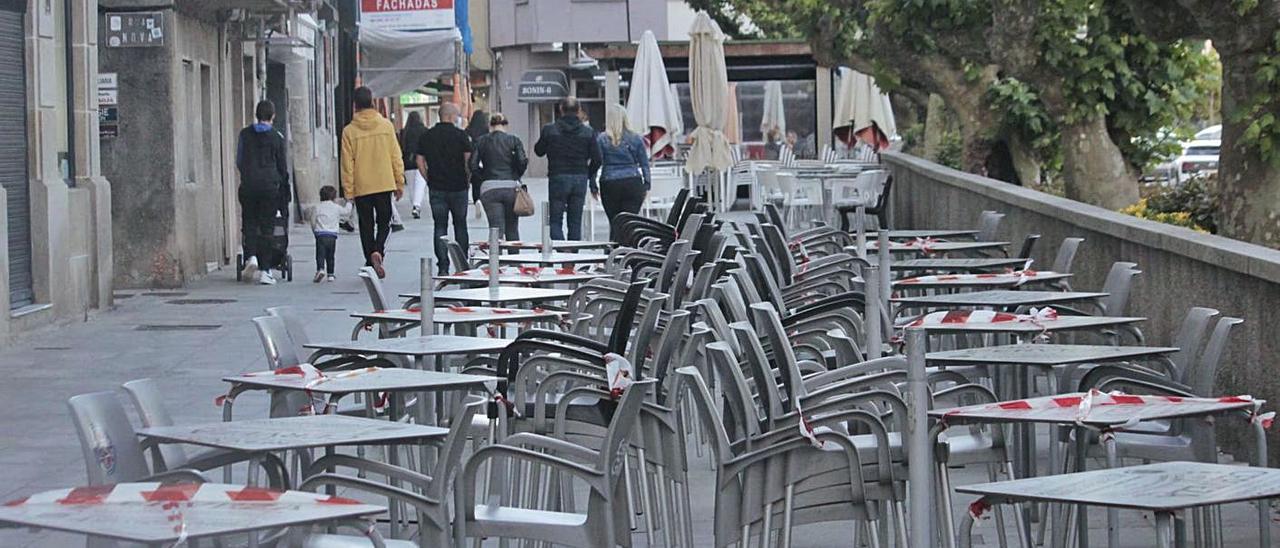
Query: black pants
[[326, 249], [500, 208], [445, 204], [621, 196], [257, 223], [374, 211]]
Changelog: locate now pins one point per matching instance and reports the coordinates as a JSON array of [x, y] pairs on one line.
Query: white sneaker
[[250, 269], [331, 278], [265, 278], [319, 277]]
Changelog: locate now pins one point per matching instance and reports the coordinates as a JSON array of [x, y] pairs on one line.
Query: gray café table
[[369, 381], [547, 276], [556, 245], [1164, 489], [156, 514], [940, 247], [484, 295], [553, 258], [452, 317], [911, 234], [958, 264], [981, 281], [999, 299], [1019, 357], [1027, 328]]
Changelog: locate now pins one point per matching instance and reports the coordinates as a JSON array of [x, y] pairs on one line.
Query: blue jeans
[[568, 193], [446, 203]]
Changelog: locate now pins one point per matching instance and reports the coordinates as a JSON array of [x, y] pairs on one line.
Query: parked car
[[1199, 158], [1213, 133]]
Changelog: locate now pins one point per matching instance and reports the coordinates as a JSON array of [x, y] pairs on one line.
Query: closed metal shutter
[[13, 151]]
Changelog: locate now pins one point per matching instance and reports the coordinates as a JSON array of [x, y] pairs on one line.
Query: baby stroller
[[280, 258]]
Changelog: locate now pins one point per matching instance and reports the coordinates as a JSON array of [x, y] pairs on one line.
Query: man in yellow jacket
[[372, 172]]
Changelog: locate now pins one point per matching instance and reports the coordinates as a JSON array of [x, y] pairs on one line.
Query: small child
[[324, 218]]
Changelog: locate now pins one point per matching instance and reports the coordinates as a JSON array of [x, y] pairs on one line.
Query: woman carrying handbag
[[499, 161]]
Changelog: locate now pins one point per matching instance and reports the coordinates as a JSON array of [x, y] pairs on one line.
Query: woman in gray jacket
[[500, 160]]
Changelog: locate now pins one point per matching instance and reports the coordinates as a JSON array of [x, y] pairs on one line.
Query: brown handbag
[[524, 202]]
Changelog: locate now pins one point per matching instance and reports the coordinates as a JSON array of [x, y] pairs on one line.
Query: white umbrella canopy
[[653, 106], [709, 87], [862, 108], [775, 113]]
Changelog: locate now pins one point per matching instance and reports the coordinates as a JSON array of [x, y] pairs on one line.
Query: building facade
[[544, 38], [184, 91], [55, 205]]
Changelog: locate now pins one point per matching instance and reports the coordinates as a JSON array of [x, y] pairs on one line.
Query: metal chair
[[603, 522]]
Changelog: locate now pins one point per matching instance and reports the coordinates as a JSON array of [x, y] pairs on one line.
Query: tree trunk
[[1093, 169], [1249, 184], [935, 127]]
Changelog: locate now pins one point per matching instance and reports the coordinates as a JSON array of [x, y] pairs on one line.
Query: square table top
[[1062, 323], [909, 234], [1044, 354], [556, 245], [510, 275], [957, 264], [286, 433], [463, 315], [431, 345], [997, 298], [554, 258], [137, 512], [1165, 486], [505, 294], [938, 247], [375, 379], [987, 280], [1065, 409]]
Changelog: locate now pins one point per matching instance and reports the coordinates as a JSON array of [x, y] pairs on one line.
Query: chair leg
[[947, 530], [645, 506], [788, 501]]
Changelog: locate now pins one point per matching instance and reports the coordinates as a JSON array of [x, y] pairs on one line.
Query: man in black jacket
[[264, 186], [573, 159]]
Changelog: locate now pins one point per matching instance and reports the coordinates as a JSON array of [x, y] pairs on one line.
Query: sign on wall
[[407, 14], [108, 112], [135, 29]]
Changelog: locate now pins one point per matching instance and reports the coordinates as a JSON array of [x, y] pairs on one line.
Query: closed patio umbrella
[[709, 87], [862, 110], [774, 118], [652, 105]]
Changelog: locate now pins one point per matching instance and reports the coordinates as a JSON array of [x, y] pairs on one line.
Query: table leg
[[393, 458], [1082, 455], [1113, 514], [1164, 530]]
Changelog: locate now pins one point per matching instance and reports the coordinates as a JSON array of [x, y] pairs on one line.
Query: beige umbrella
[[732, 129], [709, 87], [652, 106], [775, 113], [862, 109]]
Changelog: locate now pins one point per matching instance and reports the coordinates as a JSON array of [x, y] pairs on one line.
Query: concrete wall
[[525, 22], [1180, 268], [70, 224]]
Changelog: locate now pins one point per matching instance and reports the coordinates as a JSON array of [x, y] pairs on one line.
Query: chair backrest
[[1118, 285], [1066, 254], [715, 320], [110, 446], [373, 285], [1200, 378], [762, 373], [152, 411], [276, 343], [450, 458], [457, 256], [692, 385], [988, 226], [625, 319], [1189, 339], [777, 244], [1028, 245], [680, 203], [769, 326], [741, 410], [625, 417], [294, 326], [668, 346]]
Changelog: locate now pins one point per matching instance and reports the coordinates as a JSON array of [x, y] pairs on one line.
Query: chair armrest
[[566, 449], [323, 464], [425, 505], [186, 474]]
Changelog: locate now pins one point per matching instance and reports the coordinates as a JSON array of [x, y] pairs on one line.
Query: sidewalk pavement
[[189, 339]]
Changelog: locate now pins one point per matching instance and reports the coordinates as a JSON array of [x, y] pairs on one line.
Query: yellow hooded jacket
[[371, 159]]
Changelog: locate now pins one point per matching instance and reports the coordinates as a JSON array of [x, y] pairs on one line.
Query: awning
[[542, 86], [394, 62]]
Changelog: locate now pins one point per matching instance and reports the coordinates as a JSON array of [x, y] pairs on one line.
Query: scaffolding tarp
[[394, 62]]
